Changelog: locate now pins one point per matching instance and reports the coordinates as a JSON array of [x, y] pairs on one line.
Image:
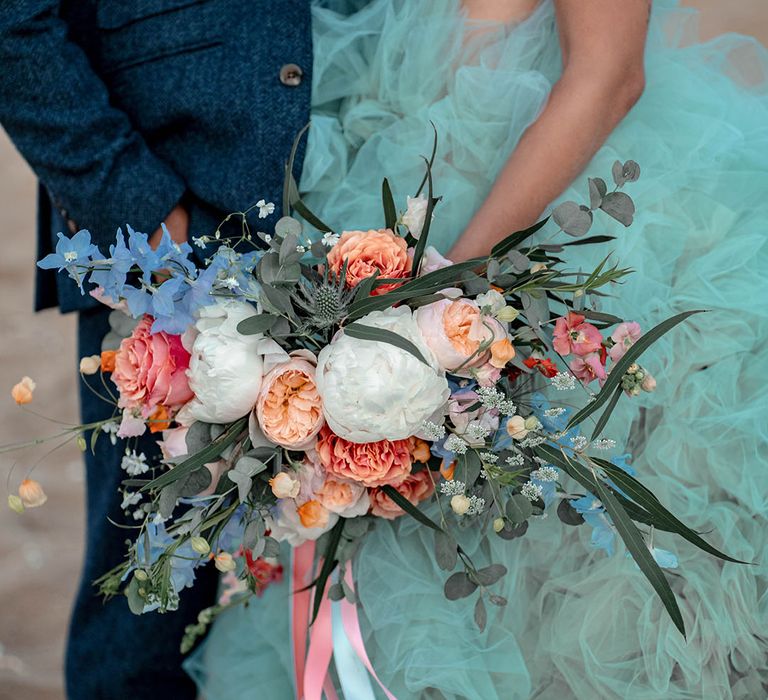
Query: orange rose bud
[[160, 420], [313, 514], [108, 360], [22, 392], [419, 450], [31, 493], [501, 352]]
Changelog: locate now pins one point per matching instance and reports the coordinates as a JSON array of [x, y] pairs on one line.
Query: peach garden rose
[[289, 409], [368, 252]]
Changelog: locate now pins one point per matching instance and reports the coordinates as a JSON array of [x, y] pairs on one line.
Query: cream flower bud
[[15, 504], [507, 314], [90, 364], [632, 369], [224, 562], [31, 493], [140, 575], [537, 267], [284, 485], [416, 215], [498, 524], [22, 392], [532, 423], [649, 383], [516, 427], [200, 545], [460, 504]]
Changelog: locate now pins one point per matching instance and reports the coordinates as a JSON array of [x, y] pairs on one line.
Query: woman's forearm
[[581, 112]]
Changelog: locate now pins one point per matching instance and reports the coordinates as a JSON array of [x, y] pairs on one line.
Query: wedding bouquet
[[302, 389]]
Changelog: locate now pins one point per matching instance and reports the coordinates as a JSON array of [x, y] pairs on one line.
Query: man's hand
[[178, 226]]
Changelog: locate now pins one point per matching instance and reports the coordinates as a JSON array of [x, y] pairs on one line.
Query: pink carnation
[[624, 337], [368, 463], [416, 488], [150, 370], [573, 335], [588, 368]]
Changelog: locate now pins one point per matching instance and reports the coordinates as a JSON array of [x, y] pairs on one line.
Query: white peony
[[373, 390], [226, 367], [416, 214]]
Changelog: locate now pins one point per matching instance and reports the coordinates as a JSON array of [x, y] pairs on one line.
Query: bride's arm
[[602, 44]]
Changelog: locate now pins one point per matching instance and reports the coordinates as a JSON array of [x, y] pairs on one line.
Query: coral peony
[[150, 370], [416, 488], [369, 252], [368, 463]]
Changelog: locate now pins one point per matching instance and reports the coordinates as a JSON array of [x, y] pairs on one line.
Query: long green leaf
[[620, 368], [641, 495], [289, 171], [206, 455], [421, 244], [606, 413], [409, 508], [624, 526], [382, 335], [329, 564], [640, 553], [388, 202], [431, 159], [515, 239]]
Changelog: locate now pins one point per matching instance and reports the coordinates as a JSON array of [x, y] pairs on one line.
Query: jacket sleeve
[[56, 109]]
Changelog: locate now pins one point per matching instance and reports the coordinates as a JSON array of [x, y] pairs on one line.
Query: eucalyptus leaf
[[195, 483], [168, 499], [446, 551], [619, 205], [356, 527], [459, 586], [329, 564], [268, 268], [260, 323], [572, 218], [249, 466], [388, 202], [515, 239], [198, 437], [481, 614], [244, 484], [136, 603], [336, 592], [518, 508], [568, 514], [601, 423], [499, 600], [254, 531], [409, 508], [510, 531], [288, 226], [520, 263], [490, 574], [276, 299], [271, 548], [288, 250], [597, 190]]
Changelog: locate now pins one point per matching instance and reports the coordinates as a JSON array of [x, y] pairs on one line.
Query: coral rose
[[416, 488], [151, 370], [460, 335], [368, 252], [289, 409], [367, 463], [344, 498]]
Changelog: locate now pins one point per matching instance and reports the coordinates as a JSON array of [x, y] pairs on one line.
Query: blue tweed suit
[[124, 108]]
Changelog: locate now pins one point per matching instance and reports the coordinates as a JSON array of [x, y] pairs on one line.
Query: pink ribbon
[[351, 624], [311, 667]]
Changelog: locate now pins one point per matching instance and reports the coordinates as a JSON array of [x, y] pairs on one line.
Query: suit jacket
[[124, 107]]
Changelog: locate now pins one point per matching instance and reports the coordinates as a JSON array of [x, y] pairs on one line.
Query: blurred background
[[41, 551]]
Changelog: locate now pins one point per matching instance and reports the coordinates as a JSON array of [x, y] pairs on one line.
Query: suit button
[[291, 75]]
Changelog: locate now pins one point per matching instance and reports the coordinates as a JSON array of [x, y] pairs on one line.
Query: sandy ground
[[40, 552]]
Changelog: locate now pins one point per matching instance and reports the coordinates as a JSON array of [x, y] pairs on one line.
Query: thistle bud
[[15, 504], [200, 545], [31, 493], [460, 504]]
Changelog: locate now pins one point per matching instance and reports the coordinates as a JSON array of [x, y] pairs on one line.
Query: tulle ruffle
[[579, 624]]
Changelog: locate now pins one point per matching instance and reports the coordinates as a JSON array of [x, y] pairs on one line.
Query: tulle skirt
[[579, 623]]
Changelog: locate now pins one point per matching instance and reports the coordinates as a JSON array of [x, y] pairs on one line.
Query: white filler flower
[[373, 390], [226, 368]]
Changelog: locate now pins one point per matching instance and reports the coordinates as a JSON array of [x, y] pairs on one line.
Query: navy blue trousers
[[113, 654]]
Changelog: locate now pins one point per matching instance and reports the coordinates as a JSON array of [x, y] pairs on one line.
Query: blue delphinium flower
[[72, 254], [594, 515], [145, 258], [113, 277]]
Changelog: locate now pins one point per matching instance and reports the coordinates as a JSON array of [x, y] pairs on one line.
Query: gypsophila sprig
[[134, 464]]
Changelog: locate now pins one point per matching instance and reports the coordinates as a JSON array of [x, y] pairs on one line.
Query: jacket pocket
[[134, 33]]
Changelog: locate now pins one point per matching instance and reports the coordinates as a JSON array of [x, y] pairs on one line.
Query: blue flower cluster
[[172, 302]]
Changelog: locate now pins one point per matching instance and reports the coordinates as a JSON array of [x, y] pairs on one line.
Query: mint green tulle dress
[[579, 624]]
